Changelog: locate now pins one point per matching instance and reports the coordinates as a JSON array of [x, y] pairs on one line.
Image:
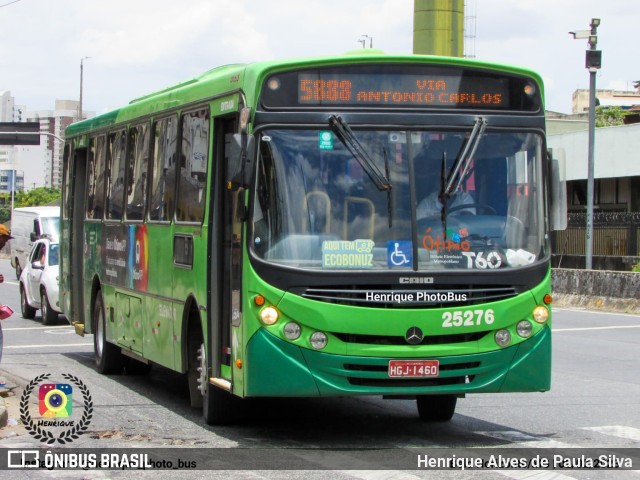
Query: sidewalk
[[10, 392]]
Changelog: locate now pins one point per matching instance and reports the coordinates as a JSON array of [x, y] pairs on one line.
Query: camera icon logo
[[55, 400]]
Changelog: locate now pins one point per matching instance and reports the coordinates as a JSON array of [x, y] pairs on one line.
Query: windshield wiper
[[459, 169], [348, 138], [462, 163]]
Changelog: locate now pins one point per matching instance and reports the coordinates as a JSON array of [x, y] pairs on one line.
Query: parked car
[[27, 225], [39, 282]]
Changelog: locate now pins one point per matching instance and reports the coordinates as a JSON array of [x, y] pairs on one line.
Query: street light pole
[[81, 74], [593, 63], [13, 193]]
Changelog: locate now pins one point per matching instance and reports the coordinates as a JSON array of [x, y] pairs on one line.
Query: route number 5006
[[467, 318]]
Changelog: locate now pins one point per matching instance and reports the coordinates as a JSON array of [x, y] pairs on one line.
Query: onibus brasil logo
[[48, 412]]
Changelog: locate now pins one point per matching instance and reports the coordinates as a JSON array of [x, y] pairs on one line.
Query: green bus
[[365, 224]]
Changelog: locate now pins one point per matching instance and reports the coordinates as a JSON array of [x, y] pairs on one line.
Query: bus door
[[74, 204], [226, 264]]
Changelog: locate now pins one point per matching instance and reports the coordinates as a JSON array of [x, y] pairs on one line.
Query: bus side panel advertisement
[[125, 256]]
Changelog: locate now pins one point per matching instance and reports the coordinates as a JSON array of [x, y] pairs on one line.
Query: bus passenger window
[[165, 136], [193, 166], [115, 181], [137, 167], [95, 190]]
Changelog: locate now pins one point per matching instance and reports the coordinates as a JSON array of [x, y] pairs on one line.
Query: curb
[[597, 303]]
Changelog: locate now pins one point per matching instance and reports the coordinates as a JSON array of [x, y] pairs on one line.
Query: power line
[[7, 4]]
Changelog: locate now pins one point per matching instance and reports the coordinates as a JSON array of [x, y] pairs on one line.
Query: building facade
[[54, 122], [609, 98]]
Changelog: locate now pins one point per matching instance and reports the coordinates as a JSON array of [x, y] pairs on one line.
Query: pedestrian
[[5, 236]]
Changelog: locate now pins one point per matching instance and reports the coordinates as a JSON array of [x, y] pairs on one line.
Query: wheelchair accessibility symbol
[[399, 253]]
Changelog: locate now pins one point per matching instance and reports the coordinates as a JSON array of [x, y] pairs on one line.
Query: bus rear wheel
[[108, 356], [436, 408]]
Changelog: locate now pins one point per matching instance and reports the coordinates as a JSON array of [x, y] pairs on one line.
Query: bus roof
[[248, 78]]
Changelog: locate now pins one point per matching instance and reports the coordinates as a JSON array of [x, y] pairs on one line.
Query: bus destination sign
[[401, 90], [405, 86]]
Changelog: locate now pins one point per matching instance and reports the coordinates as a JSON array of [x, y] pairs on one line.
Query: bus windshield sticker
[[325, 140], [400, 254], [347, 254]]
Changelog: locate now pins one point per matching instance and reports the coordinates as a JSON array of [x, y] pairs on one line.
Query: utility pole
[[80, 116], [593, 63]]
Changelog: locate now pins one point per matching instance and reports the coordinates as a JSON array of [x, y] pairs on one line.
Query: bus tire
[[218, 406], [436, 408], [108, 356]]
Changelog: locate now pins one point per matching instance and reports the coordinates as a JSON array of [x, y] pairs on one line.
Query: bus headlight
[[269, 315], [503, 337], [318, 340], [524, 328], [292, 331], [540, 314]]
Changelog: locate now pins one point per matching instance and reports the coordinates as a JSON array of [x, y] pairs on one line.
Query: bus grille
[[409, 382], [399, 340], [377, 297]]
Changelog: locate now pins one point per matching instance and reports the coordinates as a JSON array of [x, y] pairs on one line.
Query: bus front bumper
[[276, 368]]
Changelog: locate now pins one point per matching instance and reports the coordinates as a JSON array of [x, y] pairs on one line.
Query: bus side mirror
[[239, 156], [558, 189]]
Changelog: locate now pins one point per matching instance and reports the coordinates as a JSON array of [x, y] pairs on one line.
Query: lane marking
[[595, 312], [17, 347], [523, 439], [580, 329], [37, 328], [529, 475], [629, 433]]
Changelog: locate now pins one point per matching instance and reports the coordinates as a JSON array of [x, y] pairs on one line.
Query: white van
[[27, 225]]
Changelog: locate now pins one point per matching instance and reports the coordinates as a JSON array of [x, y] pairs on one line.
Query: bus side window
[[95, 190], [115, 180], [137, 167], [193, 166], [165, 136]]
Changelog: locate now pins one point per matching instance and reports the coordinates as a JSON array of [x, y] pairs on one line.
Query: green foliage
[[636, 268], [33, 198], [610, 116]]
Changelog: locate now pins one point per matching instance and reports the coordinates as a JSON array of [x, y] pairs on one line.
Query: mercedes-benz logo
[[414, 336]]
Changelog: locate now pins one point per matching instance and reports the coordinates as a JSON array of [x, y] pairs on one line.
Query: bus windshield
[[315, 207]]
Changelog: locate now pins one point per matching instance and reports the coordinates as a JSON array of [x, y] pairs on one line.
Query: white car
[[39, 282]]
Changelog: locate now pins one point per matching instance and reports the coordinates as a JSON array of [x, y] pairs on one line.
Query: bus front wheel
[[436, 408], [218, 406], [108, 356]]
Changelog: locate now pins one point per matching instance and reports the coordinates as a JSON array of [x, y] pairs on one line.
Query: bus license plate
[[414, 368]]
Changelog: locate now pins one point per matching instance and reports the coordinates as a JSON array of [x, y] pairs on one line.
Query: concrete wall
[[596, 289], [617, 152]]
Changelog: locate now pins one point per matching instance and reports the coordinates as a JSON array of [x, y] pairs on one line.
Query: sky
[[139, 46]]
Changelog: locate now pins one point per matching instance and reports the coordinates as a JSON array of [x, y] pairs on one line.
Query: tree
[[610, 116], [33, 198]]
